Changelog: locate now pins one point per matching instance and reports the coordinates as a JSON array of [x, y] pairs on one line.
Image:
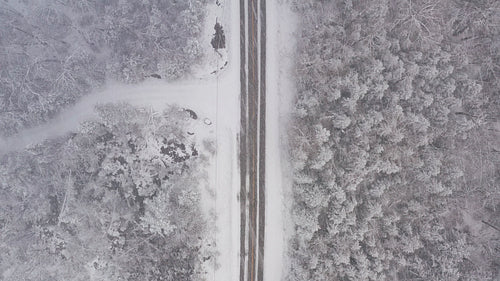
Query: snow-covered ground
[[213, 93], [281, 24], [152, 93], [227, 169]]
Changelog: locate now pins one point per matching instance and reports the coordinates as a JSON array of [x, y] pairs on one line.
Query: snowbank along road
[[252, 138]]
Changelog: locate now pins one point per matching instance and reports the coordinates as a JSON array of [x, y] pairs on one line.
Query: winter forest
[[395, 141], [119, 198], [54, 52]]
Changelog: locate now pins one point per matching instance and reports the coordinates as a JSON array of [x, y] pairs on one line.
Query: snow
[[152, 93], [227, 169], [281, 23], [213, 93], [215, 99]]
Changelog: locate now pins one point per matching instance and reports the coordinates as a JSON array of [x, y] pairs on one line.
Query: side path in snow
[[151, 93]]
